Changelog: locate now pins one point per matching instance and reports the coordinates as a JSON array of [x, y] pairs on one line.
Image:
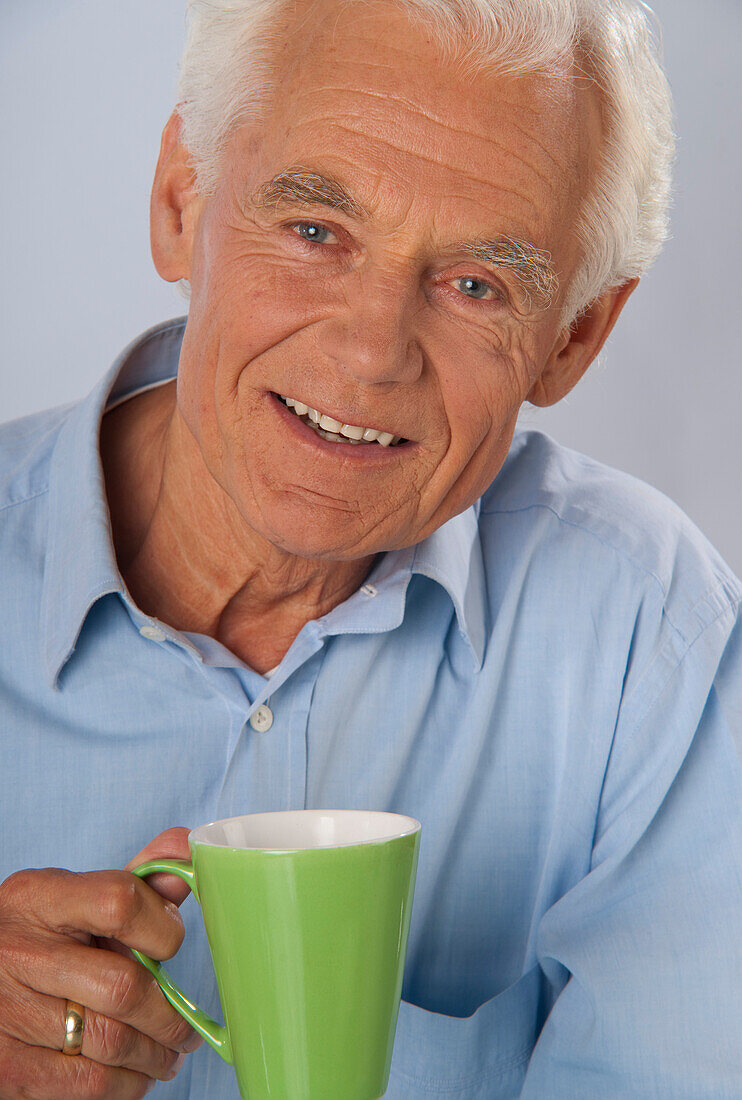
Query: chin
[[308, 524], [318, 539]]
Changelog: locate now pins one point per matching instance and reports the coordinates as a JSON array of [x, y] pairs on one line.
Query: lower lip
[[365, 452]]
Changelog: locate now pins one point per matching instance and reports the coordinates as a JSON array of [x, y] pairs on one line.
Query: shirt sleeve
[[650, 941]]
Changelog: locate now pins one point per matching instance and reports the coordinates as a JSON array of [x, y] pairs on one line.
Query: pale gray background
[[85, 88]]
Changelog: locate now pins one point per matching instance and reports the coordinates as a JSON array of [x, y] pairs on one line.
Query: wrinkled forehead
[[327, 46], [376, 93]]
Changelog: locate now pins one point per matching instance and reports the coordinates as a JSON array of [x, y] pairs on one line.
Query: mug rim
[[413, 826]]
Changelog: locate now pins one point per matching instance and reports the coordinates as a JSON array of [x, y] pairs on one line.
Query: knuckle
[[112, 1041], [172, 842], [176, 1032], [17, 887], [129, 988], [120, 905], [19, 890]]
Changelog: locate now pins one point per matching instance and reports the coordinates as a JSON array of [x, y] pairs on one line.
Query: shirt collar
[[81, 563], [452, 555]]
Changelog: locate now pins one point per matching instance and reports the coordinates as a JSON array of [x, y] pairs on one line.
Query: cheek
[[484, 389], [481, 388], [259, 299], [244, 304]]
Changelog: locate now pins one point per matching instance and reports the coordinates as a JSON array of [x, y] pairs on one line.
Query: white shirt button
[[152, 633], [368, 589], [262, 719]]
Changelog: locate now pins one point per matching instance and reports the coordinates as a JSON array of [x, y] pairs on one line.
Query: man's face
[[332, 266]]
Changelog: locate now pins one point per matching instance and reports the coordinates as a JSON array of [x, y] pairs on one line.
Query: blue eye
[[474, 288], [310, 231]]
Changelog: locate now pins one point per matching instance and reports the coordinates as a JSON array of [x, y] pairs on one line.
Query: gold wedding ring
[[74, 1025]]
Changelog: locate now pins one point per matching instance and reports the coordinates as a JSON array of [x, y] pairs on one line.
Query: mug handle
[[213, 1033]]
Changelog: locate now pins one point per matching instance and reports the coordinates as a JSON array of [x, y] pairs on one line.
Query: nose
[[372, 335]]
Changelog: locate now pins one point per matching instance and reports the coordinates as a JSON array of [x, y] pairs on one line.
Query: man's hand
[[66, 936]]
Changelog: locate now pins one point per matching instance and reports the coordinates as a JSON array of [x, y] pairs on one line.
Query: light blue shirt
[[551, 683]]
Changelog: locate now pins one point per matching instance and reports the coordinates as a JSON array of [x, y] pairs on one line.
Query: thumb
[[173, 844]]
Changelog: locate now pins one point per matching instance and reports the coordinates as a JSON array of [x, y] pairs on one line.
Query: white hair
[[227, 77]]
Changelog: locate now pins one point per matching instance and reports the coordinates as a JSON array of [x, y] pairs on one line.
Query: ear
[[174, 206], [578, 346]]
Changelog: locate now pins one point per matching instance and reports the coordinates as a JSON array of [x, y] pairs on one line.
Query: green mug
[[307, 914]]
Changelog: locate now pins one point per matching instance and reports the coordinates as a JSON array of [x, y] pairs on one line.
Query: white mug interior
[[296, 830]]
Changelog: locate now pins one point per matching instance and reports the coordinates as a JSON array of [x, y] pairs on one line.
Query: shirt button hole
[[152, 633]]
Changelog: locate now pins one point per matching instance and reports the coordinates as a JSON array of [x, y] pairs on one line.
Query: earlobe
[[578, 346], [173, 206]]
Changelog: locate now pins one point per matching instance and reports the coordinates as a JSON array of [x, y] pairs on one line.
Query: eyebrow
[[297, 185], [531, 266]]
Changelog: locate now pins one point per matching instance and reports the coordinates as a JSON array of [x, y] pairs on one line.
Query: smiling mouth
[[335, 432]]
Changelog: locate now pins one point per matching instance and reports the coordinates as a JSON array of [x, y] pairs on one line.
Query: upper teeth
[[334, 429]]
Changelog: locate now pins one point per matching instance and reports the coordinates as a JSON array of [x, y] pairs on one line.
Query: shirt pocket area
[[479, 1057]]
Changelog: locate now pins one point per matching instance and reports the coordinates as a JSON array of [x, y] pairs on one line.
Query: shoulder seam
[[677, 663], [587, 531], [720, 585], [634, 722]]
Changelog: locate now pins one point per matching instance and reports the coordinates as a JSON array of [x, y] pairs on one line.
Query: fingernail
[[177, 1064], [174, 912], [193, 1042]]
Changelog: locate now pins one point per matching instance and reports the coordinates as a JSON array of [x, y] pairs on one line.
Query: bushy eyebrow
[[312, 188], [531, 266]]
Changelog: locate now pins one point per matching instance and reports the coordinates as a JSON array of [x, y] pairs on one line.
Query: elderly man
[[294, 553]]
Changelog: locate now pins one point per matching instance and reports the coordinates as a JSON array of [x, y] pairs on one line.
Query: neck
[[188, 557]]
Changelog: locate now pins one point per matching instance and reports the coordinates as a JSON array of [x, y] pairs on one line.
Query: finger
[[115, 988], [172, 844], [115, 1044], [38, 1020], [35, 1073], [113, 904]]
